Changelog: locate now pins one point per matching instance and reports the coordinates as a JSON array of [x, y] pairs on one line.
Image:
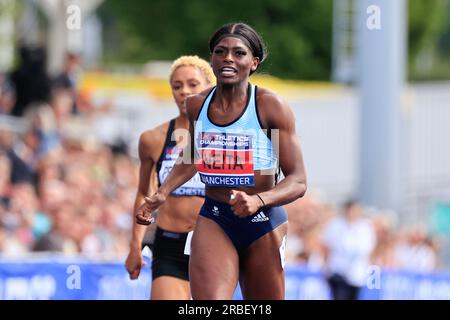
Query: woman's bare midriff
[[179, 214]]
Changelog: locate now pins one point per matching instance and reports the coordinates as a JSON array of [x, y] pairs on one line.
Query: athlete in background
[[158, 150]]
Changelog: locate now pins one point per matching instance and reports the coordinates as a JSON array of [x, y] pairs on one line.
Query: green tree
[[426, 21], [298, 33]]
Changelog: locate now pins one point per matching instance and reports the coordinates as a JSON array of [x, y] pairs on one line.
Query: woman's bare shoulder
[[195, 102], [268, 97], [153, 139], [272, 107]]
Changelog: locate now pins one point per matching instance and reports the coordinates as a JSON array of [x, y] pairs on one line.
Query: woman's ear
[[255, 64]]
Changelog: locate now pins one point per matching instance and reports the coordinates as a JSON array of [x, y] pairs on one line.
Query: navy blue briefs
[[243, 231]]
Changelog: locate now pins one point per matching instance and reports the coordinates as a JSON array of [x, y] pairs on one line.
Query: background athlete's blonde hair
[[195, 61]]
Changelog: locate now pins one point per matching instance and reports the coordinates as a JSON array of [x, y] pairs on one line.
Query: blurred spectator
[[93, 237], [7, 96], [28, 148], [53, 193], [9, 245], [61, 237], [2, 231], [349, 241], [415, 251], [5, 179], [41, 119], [307, 217], [24, 203], [20, 171], [384, 252], [69, 77], [62, 108], [30, 80]]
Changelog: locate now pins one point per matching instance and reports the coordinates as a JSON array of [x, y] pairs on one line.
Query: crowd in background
[[60, 190], [63, 191], [394, 247]]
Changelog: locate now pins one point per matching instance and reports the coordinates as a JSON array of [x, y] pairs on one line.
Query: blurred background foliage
[[298, 33]]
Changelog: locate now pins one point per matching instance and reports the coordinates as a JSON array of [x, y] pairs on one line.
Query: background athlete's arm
[[280, 116], [181, 172], [134, 260], [184, 168]]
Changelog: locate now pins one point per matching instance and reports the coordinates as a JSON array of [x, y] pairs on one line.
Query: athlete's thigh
[[262, 275], [170, 288], [214, 263]]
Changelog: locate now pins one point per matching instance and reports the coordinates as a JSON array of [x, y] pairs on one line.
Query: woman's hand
[[244, 205], [151, 204], [134, 262]]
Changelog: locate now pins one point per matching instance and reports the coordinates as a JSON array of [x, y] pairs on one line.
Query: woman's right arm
[[134, 260], [182, 171]]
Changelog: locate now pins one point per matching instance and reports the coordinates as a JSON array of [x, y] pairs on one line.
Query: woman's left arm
[[279, 116]]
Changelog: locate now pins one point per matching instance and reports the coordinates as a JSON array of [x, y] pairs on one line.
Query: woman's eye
[[241, 53], [218, 51]]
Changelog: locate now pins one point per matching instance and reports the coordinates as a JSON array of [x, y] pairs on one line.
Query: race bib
[[225, 159], [193, 187]]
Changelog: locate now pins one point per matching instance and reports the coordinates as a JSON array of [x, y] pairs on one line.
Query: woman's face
[[232, 61], [186, 81]]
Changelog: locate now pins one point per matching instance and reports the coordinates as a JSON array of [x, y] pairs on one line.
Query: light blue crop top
[[228, 155]]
